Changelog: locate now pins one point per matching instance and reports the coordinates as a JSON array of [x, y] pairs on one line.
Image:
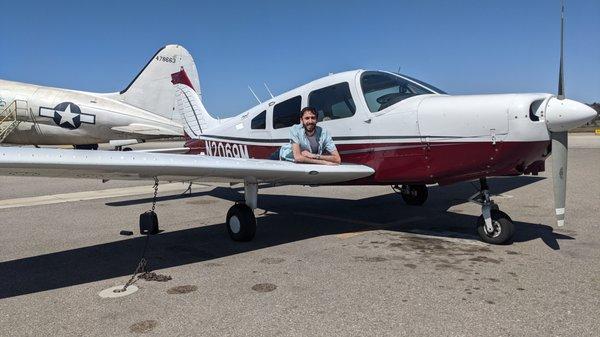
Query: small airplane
[[38, 115], [390, 129]]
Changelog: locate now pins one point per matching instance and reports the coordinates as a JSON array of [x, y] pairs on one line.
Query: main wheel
[[503, 228], [241, 223], [414, 195]]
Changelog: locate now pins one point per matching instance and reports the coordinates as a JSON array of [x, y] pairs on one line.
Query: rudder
[[194, 117]]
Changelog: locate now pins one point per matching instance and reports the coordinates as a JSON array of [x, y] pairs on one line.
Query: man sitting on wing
[[309, 143]]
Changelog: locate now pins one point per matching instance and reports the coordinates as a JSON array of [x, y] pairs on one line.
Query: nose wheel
[[499, 231], [493, 225]]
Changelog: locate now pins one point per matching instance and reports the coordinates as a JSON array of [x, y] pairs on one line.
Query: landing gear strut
[[241, 223], [414, 195], [493, 226]]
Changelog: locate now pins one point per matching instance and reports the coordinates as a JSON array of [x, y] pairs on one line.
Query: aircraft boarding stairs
[[8, 117]]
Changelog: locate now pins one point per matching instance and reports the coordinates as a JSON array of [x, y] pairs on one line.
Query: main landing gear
[[493, 226], [241, 223], [414, 195]]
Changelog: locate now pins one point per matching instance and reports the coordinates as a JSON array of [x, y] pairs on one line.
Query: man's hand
[[309, 154], [305, 156]]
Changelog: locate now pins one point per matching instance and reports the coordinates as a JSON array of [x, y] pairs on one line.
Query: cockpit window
[[382, 90]]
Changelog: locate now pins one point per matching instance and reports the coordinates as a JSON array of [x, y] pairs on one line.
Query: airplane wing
[[148, 130], [170, 167]]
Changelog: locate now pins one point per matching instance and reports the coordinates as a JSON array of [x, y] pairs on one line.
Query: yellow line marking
[[88, 195]]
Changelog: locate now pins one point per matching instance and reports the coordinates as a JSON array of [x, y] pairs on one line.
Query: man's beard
[[310, 127]]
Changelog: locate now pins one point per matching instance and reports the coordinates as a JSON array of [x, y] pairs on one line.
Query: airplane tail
[[151, 89], [195, 119]]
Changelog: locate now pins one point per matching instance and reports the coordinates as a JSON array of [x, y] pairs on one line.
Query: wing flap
[[171, 167]]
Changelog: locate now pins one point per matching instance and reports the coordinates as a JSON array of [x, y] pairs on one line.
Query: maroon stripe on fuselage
[[397, 162]]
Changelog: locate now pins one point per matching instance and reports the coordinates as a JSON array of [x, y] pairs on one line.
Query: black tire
[[241, 223], [504, 228], [416, 195], [127, 149]]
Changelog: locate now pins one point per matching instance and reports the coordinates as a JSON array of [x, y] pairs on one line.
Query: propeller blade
[[561, 75], [559, 174]]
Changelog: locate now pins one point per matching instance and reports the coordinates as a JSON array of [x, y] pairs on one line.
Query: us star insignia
[[67, 115]]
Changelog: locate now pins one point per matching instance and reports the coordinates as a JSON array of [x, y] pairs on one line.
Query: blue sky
[[463, 47]]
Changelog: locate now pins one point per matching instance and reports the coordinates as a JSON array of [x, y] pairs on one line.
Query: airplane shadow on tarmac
[[288, 219]]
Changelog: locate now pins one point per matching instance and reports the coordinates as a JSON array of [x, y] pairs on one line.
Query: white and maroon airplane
[[389, 129]]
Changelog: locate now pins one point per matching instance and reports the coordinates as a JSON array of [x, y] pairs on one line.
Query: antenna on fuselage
[[398, 72], [252, 91], [270, 93]]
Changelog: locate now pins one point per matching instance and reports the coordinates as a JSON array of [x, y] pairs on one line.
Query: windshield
[[382, 90], [425, 84]]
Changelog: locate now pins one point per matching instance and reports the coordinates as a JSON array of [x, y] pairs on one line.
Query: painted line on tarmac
[[88, 195]]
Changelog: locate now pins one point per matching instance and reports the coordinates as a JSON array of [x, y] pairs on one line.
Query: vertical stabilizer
[[152, 90], [194, 117]]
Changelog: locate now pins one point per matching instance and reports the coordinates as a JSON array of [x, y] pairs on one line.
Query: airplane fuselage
[[52, 116], [429, 137]]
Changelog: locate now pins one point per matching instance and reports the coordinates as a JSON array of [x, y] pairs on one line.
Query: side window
[[260, 121], [287, 113], [333, 102]]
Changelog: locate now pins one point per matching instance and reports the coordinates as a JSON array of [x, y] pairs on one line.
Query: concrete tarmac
[[326, 261]]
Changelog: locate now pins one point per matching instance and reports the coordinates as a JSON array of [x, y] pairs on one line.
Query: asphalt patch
[[143, 326], [264, 287], [185, 289]]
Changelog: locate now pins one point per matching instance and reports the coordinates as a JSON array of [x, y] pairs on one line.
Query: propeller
[[560, 141], [563, 114]]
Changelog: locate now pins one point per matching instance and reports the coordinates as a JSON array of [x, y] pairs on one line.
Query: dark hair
[[308, 109]]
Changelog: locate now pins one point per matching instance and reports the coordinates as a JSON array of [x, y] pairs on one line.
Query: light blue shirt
[[298, 136]]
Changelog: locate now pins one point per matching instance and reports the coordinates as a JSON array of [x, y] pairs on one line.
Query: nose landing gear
[[493, 225]]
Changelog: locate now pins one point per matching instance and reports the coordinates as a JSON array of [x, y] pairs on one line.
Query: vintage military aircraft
[[390, 129], [39, 115]]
